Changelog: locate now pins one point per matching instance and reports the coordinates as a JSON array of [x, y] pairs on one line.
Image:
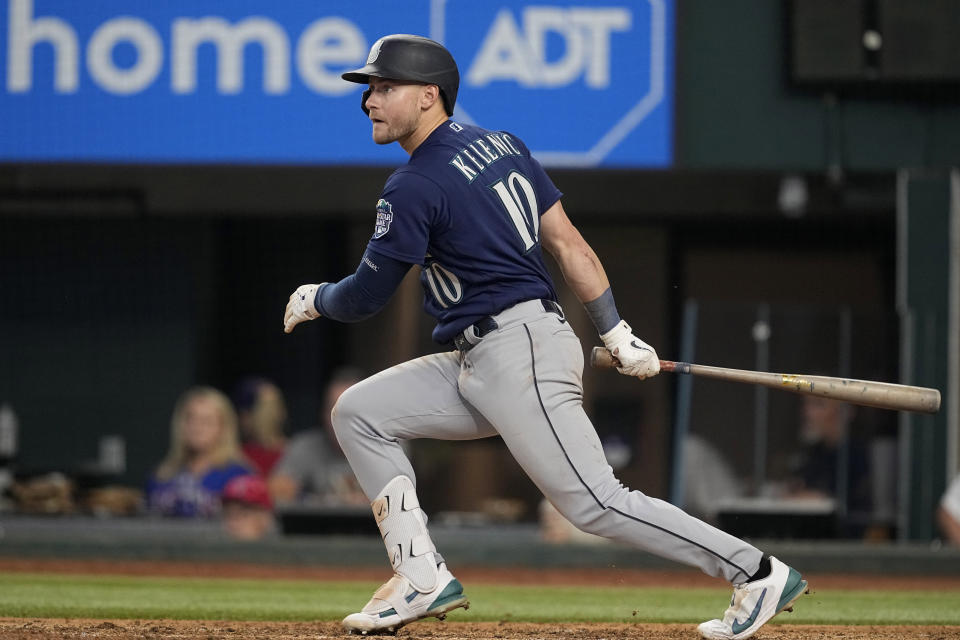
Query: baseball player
[[474, 209]]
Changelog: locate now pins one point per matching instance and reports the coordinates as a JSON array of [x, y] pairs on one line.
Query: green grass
[[55, 596]]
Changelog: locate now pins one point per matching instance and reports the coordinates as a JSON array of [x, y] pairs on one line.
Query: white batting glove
[[636, 357], [300, 307]]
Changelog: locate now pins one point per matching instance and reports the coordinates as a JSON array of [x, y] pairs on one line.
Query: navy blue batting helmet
[[406, 57]]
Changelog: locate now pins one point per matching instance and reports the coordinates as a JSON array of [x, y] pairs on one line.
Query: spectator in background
[[313, 469], [948, 515], [708, 479], [262, 413], [204, 456], [832, 463], [247, 508]]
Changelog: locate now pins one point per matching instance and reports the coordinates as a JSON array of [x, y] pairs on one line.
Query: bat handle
[[601, 358]]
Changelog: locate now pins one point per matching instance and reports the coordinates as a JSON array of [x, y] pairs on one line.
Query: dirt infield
[[35, 629], [62, 629]]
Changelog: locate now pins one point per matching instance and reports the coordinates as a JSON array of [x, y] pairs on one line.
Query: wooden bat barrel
[[883, 395]]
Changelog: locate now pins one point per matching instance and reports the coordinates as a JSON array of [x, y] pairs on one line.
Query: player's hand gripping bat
[[883, 395]]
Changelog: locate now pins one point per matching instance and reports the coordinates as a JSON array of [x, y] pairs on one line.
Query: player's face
[[394, 109]]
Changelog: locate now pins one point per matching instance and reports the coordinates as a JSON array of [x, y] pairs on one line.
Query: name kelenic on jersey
[[476, 156]]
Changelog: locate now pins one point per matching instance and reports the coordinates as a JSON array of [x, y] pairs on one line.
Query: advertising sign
[[584, 84]]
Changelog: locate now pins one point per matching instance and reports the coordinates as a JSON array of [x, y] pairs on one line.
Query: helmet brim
[[362, 75]]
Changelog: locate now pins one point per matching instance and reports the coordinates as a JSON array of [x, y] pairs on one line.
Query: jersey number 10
[[520, 200]]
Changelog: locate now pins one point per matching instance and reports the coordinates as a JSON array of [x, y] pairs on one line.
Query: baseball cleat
[[755, 603], [398, 602]]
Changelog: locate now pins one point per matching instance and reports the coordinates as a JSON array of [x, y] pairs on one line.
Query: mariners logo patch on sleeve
[[384, 218]]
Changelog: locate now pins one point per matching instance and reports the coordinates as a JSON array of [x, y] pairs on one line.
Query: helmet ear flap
[[363, 101]]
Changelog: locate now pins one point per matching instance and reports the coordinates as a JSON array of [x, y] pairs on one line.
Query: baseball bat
[[883, 395]]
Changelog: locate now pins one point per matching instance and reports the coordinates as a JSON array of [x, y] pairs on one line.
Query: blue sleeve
[[410, 207], [547, 192], [363, 293]]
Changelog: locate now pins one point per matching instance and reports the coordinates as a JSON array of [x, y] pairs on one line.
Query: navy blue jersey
[[467, 208]]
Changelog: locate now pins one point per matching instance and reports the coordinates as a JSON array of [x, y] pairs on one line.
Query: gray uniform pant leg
[[526, 380], [415, 399]]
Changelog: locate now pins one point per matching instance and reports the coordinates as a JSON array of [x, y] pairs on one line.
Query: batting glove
[[300, 307], [636, 357]]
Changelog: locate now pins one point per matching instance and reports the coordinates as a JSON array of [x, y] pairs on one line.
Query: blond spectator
[[204, 456]]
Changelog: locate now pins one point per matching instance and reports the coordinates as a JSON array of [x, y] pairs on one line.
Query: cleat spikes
[[390, 631]]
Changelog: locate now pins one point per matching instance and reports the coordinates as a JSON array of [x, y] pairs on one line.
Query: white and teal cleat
[[398, 603], [755, 603]]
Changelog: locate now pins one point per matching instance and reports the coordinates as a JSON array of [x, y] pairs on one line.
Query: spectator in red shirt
[[262, 414]]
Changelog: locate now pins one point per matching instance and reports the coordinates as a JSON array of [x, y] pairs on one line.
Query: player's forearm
[[361, 294], [345, 301], [583, 272], [581, 268]]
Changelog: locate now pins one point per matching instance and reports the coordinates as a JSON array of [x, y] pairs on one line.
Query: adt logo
[[582, 85], [512, 51]]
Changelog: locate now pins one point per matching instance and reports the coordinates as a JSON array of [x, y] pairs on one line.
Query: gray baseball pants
[[524, 382]]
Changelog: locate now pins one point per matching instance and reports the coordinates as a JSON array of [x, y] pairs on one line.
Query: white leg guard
[[403, 526], [419, 587]]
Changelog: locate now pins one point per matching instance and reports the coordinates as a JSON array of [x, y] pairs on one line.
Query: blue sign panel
[[247, 81]]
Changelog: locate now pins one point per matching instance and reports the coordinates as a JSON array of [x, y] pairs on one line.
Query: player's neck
[[427, 126]]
